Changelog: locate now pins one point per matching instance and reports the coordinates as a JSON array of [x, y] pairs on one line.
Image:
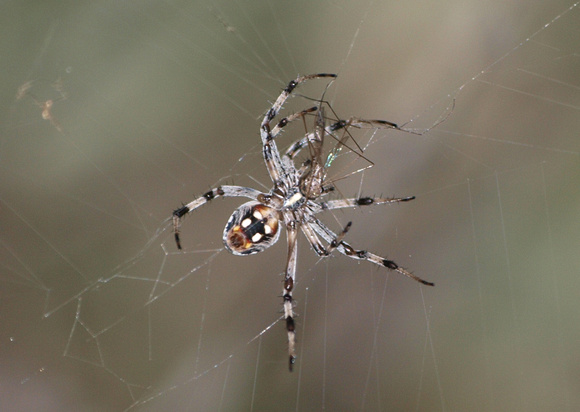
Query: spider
[[294, 200]]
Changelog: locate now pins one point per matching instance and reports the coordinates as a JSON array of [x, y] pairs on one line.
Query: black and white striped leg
[[362, 201], [224, 191], [286, 120], [270, 151], [337, 126], [298, 145], [314, 241], [338, 240], [317, 245], [289, 278], [349, 251]]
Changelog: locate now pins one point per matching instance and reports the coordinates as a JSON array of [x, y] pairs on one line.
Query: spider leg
[[314, 241], [224, 191], [361, 201], [338, 240], [303, 142], [290, 276], [286, 120], [311, 139], [288, 91], [270, 151], [338, 125], [298, 145], [349, 251], [289, 279], [317, 244]]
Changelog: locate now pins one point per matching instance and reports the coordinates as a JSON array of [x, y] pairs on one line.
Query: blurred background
[[114, 113]]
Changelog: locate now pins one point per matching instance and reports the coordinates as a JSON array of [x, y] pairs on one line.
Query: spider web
[[153, 104]]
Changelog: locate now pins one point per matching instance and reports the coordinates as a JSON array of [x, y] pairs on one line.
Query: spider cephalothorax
[[295, 199]]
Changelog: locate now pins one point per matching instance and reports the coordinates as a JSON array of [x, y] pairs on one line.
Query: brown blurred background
[[156, 102]]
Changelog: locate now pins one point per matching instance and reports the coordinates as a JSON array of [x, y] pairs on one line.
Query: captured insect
[[297, 196]]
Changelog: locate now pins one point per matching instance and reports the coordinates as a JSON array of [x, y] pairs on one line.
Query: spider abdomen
[[252, 228]]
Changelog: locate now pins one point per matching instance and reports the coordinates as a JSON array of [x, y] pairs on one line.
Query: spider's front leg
[[270, 152]]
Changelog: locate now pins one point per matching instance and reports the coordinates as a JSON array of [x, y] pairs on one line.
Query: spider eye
[[252, 228]]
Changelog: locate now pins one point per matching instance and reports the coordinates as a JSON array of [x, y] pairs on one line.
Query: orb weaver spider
[[295, 199]]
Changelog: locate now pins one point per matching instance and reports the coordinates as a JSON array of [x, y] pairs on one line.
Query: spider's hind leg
[[347, 250], [224, 191], [289, 280], [362, 201]]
